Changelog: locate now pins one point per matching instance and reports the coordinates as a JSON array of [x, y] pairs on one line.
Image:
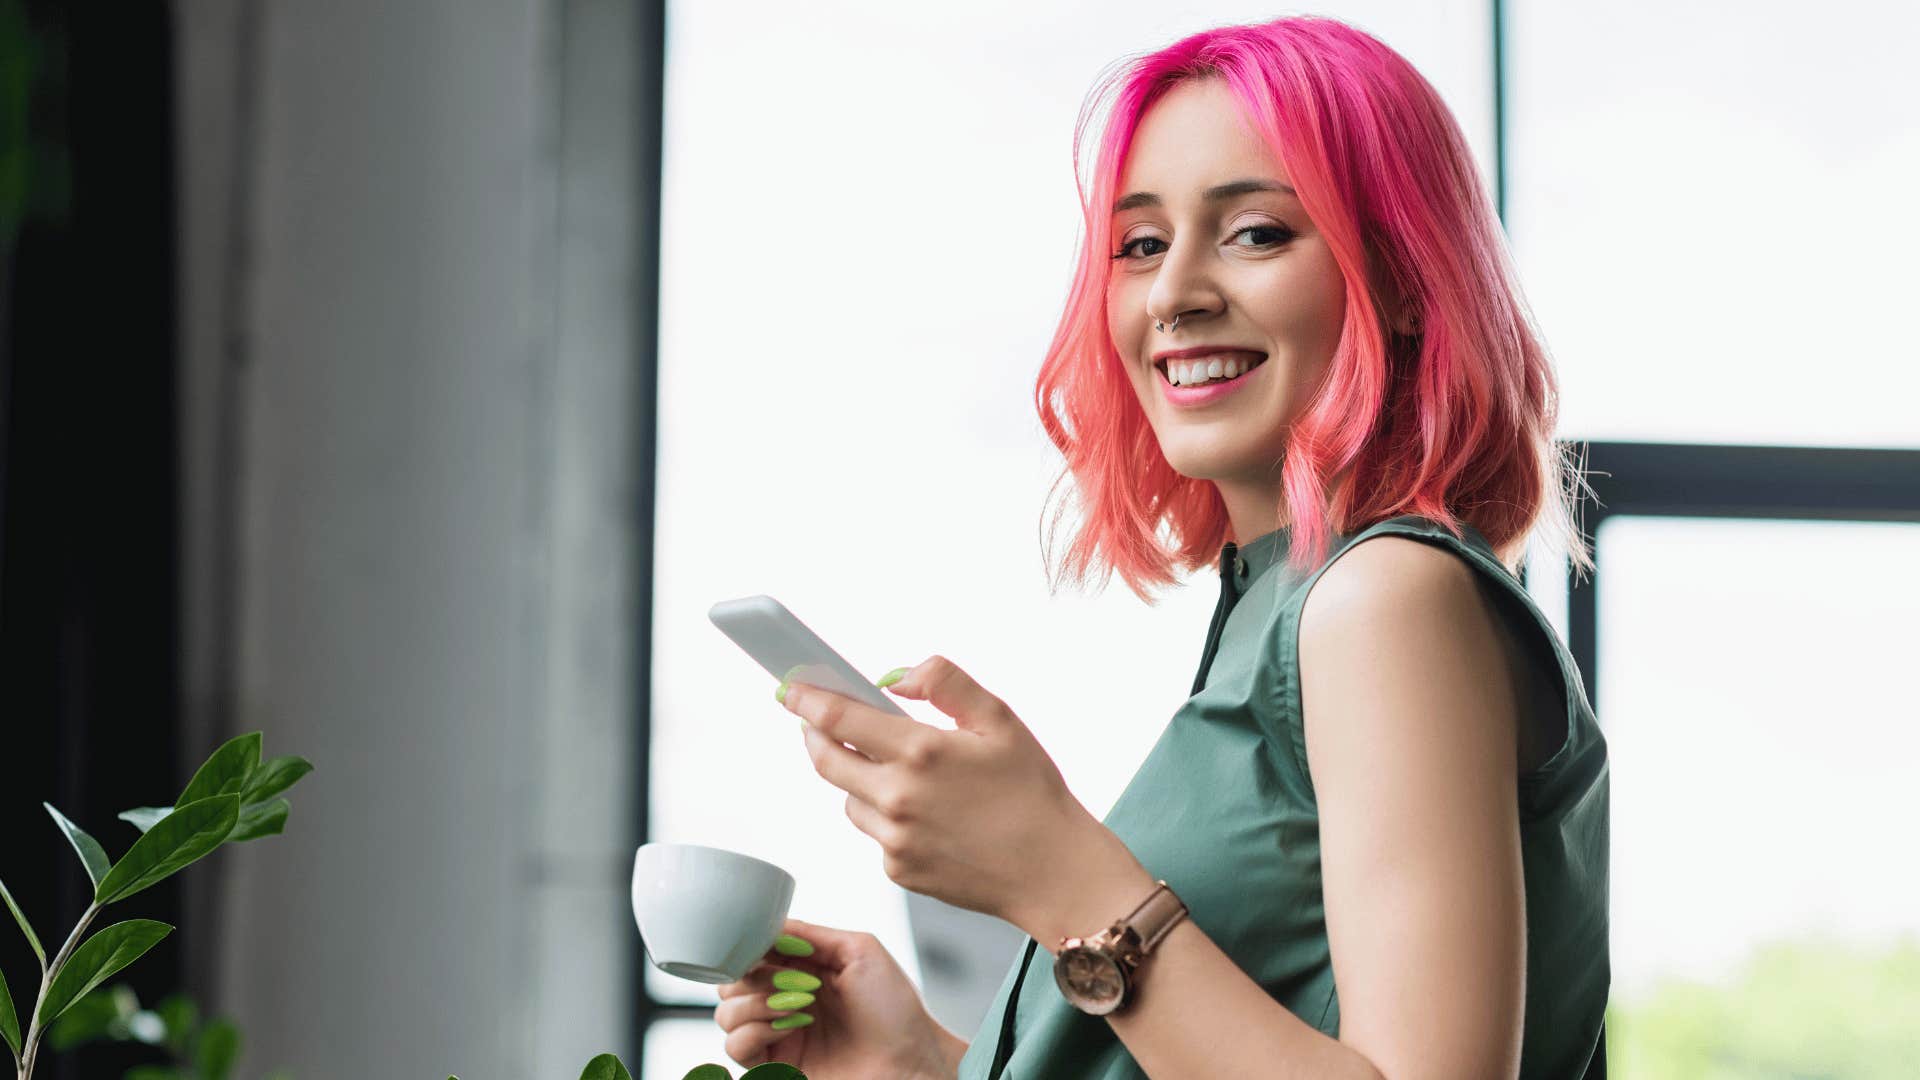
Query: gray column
[[408, 233]]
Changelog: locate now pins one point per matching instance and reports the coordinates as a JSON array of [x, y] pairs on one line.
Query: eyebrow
[[1222, 192]]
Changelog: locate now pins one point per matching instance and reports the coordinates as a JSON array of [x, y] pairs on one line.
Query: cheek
[[1311, 302], [1120, 313]]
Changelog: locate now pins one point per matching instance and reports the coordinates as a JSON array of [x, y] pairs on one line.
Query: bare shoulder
[[1393, 579], [1398, 633]]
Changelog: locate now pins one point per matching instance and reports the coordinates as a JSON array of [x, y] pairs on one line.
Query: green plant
[[1817, 1006], [199, 1048], [608, 1067], [234, 797], [772, 1070]]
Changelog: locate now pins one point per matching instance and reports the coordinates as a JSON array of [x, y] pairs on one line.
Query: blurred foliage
[[196, 1049], [1800, 1010], [610, 1067], [16, 77], [33, 171]]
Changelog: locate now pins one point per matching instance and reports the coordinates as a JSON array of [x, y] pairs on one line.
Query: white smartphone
[[779, 642]]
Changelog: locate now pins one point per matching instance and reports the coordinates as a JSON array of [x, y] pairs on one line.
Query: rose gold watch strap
[[1156, 915]]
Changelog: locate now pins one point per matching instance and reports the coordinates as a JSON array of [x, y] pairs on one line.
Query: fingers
[[810, 952], [757, 980], [941, 683], [765, 978], [767, 1003], [755, 1044], [831, 949], [760, 1011], [844, 768], [880, 736], [782, 986]]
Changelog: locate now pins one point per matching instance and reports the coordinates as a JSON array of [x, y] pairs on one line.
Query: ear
[[1402, 313]]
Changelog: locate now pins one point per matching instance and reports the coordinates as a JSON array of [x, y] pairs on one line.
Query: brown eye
[[1128, 246], [1283, 233]]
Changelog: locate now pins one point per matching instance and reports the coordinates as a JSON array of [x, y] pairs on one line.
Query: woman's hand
[[868, 1019], [978, 816]]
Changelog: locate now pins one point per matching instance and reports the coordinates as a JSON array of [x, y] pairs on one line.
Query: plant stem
[[32, 1046]]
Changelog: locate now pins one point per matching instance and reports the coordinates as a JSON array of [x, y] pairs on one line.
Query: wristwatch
[[1098, 974]]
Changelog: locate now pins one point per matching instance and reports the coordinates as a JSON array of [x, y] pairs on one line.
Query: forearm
[[1195, 1013]]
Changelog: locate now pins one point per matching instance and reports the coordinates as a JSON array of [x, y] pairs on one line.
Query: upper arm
[[1410, 712]]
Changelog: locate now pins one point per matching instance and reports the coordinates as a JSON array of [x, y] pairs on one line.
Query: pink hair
[[1453, 424]]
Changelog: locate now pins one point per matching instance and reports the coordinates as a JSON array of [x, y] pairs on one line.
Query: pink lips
[[1204, 394]]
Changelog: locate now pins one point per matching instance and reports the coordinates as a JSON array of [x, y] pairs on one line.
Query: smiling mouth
[[1206, 370]]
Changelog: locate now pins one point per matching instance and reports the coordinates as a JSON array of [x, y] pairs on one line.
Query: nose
[[1182, 288]]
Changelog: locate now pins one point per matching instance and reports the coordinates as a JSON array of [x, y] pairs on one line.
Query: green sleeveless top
[[1223, 809]]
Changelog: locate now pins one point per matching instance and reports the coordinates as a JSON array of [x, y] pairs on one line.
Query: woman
[[1373, 842]]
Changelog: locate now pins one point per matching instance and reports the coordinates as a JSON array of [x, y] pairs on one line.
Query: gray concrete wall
[[409, 244]]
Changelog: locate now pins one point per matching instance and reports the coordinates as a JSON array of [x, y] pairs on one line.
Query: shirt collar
[[1257, 554]]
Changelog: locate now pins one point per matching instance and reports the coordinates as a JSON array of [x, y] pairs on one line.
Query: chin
[[1200, 466], [1221, 463]]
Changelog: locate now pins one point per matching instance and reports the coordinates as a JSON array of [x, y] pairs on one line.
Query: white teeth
[[1194, 372]]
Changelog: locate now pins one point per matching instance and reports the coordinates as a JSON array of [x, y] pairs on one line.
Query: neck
[[1253, 510]]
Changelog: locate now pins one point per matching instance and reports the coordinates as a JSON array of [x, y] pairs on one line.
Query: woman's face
[[1247, 273]]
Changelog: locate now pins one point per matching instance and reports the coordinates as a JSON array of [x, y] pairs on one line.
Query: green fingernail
[[892, 677], [780, 693], [788, 945], [791, 1021], [789, 999], [795, 980]]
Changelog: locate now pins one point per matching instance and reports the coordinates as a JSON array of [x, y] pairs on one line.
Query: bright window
[[1762, 736], [1713, 210], [869, 224]]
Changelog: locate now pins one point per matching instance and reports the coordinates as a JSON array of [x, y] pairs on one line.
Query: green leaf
[[154, 1072], [181, 837], [219, 1046], [96, 959], [226, 770], [606, 1067], [181, 1016], [709, 1072], [274, 776], [91, 853], [144, 817], [773, 1070], [25, 927], [258, 820], [9, 1023]]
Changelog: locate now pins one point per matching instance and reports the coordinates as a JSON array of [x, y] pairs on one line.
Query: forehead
[[1192, 137]]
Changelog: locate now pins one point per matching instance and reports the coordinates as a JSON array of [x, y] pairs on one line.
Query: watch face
[[1090, 979]]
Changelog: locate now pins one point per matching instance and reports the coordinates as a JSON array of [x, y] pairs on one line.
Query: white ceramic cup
[[705, 913]]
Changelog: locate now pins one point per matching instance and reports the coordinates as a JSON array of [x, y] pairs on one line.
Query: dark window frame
[[1703, 480]]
